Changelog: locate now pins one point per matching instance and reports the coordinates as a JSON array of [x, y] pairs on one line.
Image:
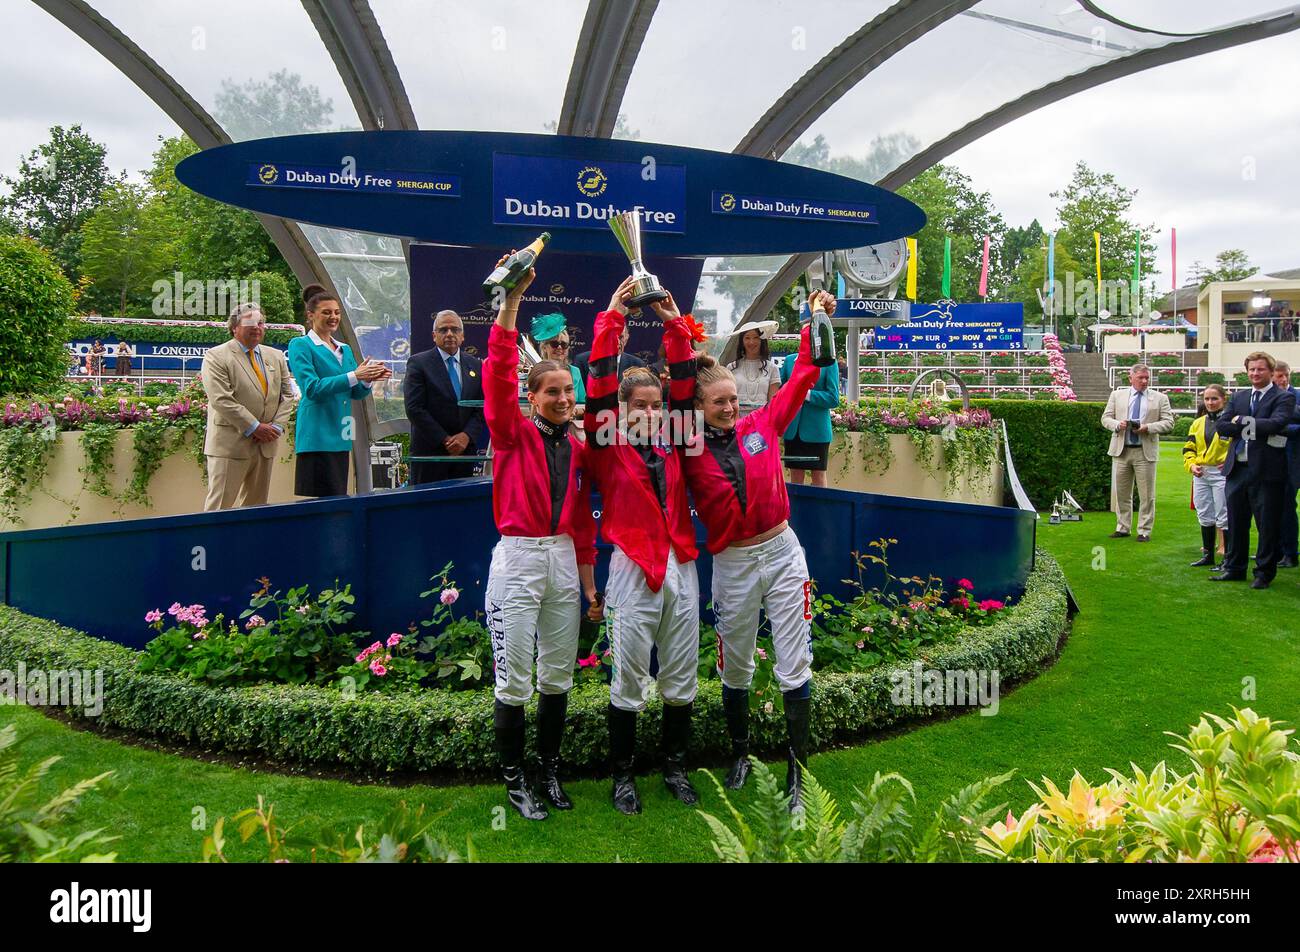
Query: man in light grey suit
[[250, 403], [1135, 416]]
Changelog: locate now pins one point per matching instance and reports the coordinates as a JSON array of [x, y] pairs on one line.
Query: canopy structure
[[897, 86]]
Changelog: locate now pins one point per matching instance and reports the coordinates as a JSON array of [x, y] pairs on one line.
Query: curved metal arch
[[608, 46], [351, 33], [1045, 95], [156, 83], [841, 69]]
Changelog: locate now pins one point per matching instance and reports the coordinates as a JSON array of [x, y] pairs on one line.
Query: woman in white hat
[[757, 378]]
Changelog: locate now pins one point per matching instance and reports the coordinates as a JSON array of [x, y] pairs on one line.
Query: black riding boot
[[796, 725], [735, 704], [509, 723], [676, 738], [622, 749], [551, 709], [1207, 547]]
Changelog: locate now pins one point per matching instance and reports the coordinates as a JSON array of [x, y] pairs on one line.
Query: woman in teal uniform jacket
[[809, 435], [330, 379]]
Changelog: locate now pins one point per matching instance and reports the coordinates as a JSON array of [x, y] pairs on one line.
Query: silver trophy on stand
[[626, 227]]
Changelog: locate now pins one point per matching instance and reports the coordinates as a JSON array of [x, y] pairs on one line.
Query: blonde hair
[[1260, 355], [540, 370], [708, 372]]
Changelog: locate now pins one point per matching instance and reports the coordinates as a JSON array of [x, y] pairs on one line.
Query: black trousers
[[1262, 500], [1290, 524]]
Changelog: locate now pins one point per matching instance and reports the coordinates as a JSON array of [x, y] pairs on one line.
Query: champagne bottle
[[511, 271], [822, 338]]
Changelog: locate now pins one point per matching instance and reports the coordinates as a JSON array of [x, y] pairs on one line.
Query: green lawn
[[1155, 645]]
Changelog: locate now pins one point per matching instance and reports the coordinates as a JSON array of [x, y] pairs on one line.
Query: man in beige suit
[[250, 400], [1135, 416]]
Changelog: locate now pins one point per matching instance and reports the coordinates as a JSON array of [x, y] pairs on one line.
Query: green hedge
[[452, 730], [1055, 446], [153, 334], [1208, 376]]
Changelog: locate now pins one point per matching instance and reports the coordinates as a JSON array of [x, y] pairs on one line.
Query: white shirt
[[336, 348], [753, 379]]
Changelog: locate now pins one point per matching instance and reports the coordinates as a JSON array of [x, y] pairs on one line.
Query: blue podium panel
[[103, 578]]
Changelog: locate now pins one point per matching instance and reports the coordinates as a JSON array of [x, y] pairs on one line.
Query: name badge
[[755, 444]]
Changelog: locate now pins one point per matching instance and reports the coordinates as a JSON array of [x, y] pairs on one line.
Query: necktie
[[454, 375], [261, 378], [1254, 402], [1134, 413]]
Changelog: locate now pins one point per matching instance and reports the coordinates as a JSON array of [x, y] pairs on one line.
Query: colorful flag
[[1051, 264], [911, 268], [1173, 258], [947, 267], [1137, 266], [984, 270], [1096, 241]]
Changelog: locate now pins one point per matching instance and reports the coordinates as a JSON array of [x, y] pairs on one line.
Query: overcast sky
[[1211, 144]]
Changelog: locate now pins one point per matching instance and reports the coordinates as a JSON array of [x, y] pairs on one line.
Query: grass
[[1155, 646]]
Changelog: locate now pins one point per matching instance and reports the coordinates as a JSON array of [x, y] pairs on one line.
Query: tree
[[885, 154], [213, 240], [35, 299], [1231, 265], [955, 210], [59, 183], [126, 244], [1095, 201], [1020, 242], [279, 105]]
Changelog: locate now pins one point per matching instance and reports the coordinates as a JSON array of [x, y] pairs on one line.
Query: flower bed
[[871, 376], [1007, 377], [1170, 378], [967, 360], [452, 730], [1182, 399], [1036, 360], [1208, 376], [900, 360], [1165, 360]]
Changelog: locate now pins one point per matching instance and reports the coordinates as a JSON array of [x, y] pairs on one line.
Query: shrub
[[452, 730], [1002, 360], [934, 360], [35, 299], [900, 360], [871, 376], [1010, 377], [1043, 395], [1165, 360], [966, 360], [1182, 424], [1208, 376], [30, 827], [1170, 378], [1182, 399], [1240, 803], [1036, 360], [1123, 360], [178, 332], [903, 376], [1241, 378], [1013, 395], [1056, 446], [1040, 379]]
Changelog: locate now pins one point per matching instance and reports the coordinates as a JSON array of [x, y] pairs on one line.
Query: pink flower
[[991, 605], [960, 601], [377, 669], [767, 707], [153, 616], [591, 661], [176, 607], [361, 658], [256, 621], [377, 646], [861, 645], [449, 596], [965, 583], [199, 636], [394, 640], [762, 654]]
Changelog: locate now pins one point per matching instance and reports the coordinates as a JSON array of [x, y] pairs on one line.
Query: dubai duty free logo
[[592, 181], [727, 202], [268, 174]]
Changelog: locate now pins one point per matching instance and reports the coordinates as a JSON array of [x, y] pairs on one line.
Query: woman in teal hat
[[552, 339]]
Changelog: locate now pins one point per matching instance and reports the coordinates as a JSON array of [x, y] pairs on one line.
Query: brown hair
[[1260, 355], [635, 377], [540, 370], [314, 295], [1283, 366], [1218, 388], [708, 372]]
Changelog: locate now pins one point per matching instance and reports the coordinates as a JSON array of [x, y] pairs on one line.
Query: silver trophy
[[626, 227]]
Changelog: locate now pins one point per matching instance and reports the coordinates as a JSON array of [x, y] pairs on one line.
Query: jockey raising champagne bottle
[[510, 272]]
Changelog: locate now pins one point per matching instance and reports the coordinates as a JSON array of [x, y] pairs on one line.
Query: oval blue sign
[[499, 189]]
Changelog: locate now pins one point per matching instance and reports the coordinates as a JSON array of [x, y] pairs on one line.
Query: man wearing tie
[[250, 402], [1135, 416], [436, 381], [1256, 471]]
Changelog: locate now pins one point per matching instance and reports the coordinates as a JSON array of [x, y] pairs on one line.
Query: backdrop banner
[[577, 285], [951, 326]]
